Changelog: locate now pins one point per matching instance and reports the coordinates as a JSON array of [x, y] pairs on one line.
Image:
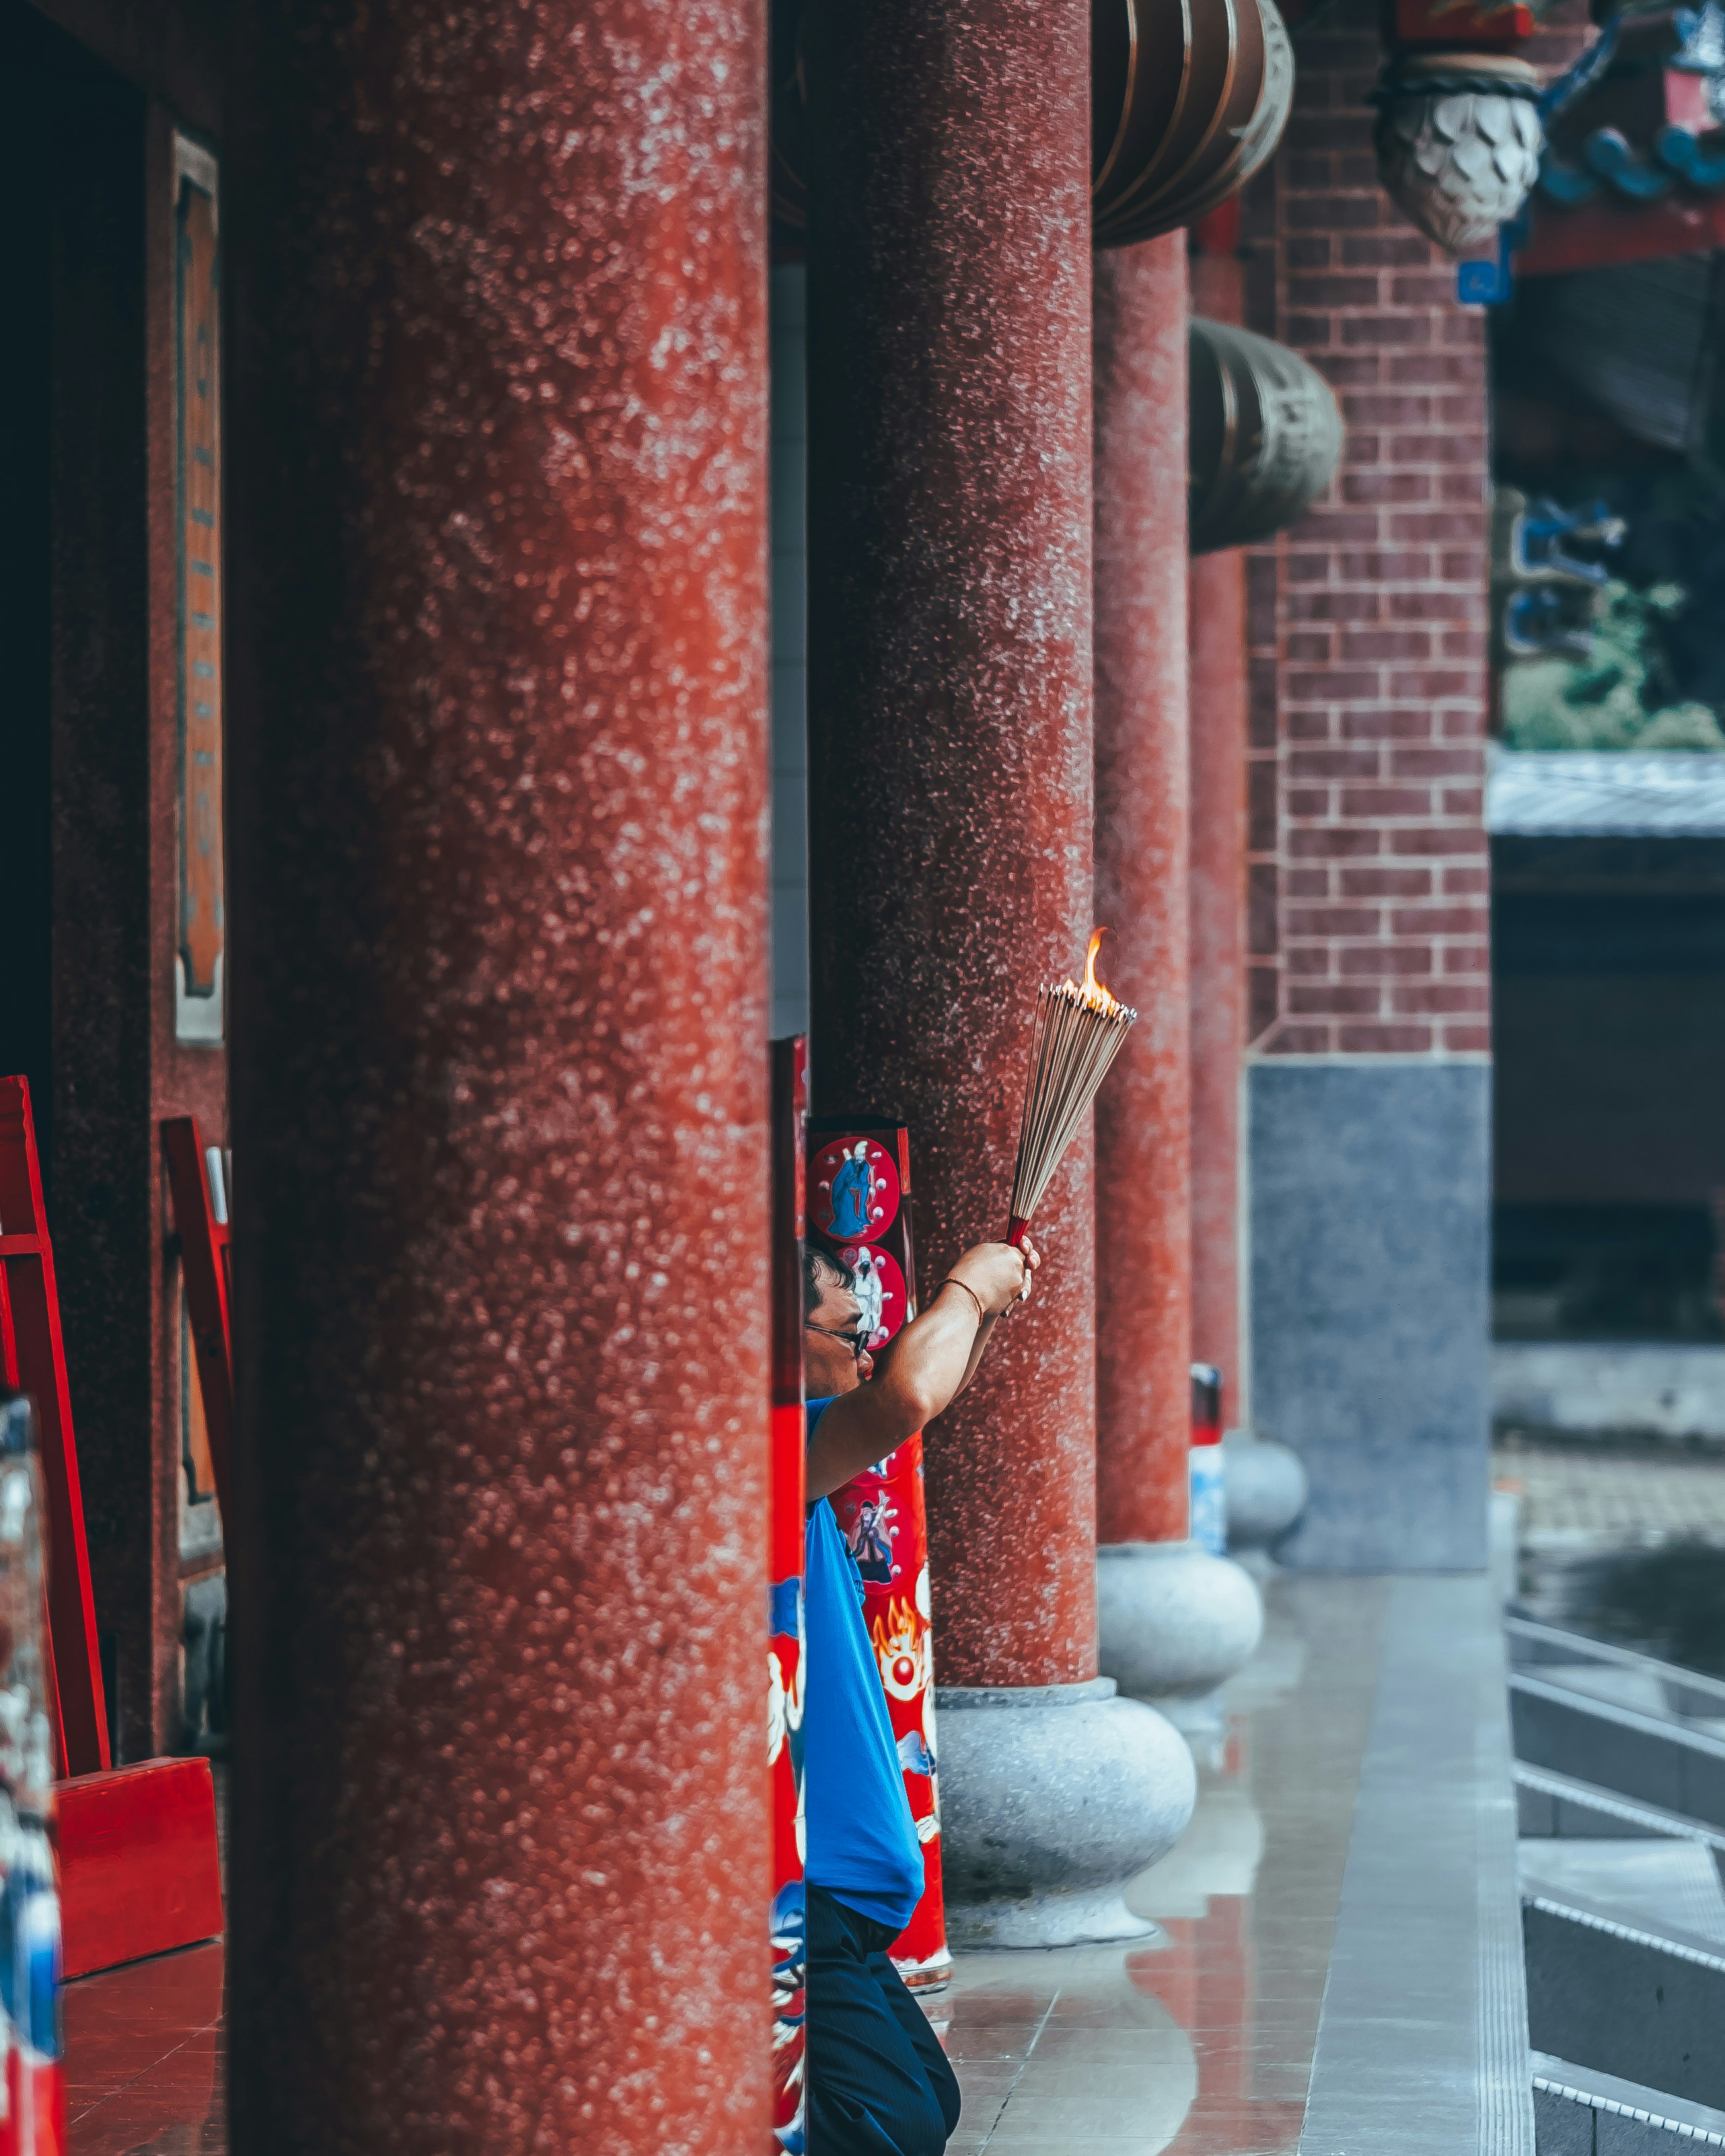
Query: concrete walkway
[[1316, 1987]]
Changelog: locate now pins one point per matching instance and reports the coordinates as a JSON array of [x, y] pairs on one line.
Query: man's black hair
[[819, 1267]]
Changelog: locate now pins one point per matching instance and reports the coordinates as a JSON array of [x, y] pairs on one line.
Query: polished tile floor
[[1198, 2038], [144, 2058]]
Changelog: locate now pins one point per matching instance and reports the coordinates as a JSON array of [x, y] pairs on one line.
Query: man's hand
[[998, 1274]]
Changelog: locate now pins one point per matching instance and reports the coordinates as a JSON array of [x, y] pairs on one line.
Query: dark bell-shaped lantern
[[1188, 97], [1265, 436]]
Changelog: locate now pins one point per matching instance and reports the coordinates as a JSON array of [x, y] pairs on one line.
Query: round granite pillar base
[[1267, 1488], [1172, 1619], [1202, 1719], [1052, 1798]]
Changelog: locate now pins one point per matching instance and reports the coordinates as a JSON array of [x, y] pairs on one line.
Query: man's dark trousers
[[879, 2083]]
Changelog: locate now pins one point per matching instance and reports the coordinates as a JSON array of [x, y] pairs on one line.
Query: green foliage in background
[[1610, 699]]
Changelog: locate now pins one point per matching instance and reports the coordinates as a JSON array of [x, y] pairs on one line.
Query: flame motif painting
[[900, 1640]]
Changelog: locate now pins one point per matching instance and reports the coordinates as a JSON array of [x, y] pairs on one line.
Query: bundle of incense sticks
[[1079, 1033]]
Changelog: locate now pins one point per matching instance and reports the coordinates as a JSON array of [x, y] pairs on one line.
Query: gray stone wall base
[[1369, 1191]]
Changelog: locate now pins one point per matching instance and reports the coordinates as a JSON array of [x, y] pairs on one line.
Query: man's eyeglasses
[[857, 1342]]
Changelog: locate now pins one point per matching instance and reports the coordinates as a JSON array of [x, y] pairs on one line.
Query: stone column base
[[1266, 1489], [1174, 1620], [1052, 1798]]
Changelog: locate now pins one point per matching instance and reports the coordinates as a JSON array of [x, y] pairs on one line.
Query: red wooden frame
[[207, 1270], [35, 1362], [139, 1869]]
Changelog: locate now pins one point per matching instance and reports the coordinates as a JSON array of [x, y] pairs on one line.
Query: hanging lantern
[[1458, 141], [1265, 436], [1264, 133], [1189, 98]]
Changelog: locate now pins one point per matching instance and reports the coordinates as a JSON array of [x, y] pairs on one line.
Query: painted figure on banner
[[879, 1290], [853, 1187], [870, 1301], [871, 1543], [853, 1190]]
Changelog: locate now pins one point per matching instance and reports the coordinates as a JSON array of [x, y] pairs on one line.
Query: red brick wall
[[1368, 877], [1561, 38]]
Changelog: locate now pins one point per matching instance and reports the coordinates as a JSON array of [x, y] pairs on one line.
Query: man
[[879, 2083]]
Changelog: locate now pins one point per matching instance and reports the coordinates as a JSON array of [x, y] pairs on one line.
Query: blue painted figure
[[853, 1187]]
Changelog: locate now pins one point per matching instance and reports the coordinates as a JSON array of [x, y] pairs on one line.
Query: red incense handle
[[1016, 1230]]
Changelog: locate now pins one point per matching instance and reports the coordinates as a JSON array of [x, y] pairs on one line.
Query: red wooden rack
[[139, 1872], [195, 1179]]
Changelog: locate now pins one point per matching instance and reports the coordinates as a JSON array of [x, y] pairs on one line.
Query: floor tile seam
[[148, 2073], [132, 2082], [109, 2098], [1030, 2052]]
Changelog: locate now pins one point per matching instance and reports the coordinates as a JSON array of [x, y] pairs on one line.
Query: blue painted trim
[[1683, 152], [1608, 153], [1610, 162]]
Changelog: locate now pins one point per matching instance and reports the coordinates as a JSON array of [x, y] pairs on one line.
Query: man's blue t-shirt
[[862, 1841]]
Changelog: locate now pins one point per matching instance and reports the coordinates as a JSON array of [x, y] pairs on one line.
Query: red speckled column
[[950, 720], [1143, 1220], [498, 469], [1218, 701], [1218, 750]]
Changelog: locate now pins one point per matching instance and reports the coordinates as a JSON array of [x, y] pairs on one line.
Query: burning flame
[[1092, 987], [1093, 995]]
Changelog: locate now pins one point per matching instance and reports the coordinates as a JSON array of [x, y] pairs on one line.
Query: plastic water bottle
[[1208, 1497]]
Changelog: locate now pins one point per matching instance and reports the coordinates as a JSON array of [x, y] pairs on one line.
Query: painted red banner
[[859, 1207], [784, 1647]]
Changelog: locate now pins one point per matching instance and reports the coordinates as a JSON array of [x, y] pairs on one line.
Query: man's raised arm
[[923, 1371]]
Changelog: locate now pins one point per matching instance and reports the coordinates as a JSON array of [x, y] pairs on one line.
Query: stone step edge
[[1660, 1727], [1595, 1654], [1601, 2091], [1590, 1796], [1681, 1946]]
